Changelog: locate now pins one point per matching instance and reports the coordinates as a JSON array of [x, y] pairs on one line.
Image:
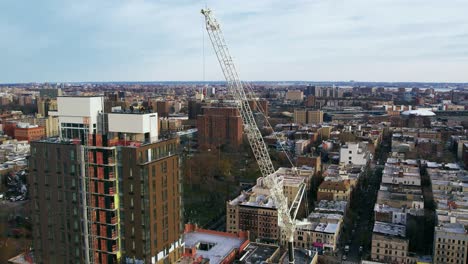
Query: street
[[357, 231]]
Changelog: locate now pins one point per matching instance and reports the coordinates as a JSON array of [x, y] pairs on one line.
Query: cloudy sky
[[317, 40]]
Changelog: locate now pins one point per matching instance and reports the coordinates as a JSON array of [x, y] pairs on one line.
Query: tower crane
[[269, 180]]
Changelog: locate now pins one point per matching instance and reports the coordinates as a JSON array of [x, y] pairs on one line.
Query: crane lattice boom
[[235, 86]]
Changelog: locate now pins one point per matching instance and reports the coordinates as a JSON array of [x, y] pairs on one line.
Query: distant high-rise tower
[[219, 126]]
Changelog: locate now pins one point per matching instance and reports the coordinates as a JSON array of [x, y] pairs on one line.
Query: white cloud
[[269, 39]]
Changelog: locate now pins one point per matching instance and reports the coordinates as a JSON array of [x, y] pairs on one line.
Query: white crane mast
[[235, 86]]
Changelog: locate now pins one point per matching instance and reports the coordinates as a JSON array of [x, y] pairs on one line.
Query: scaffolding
[[101, 200]]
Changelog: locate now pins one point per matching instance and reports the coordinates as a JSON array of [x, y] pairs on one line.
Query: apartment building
[[24, 131], [450, 192], [107, 190], [215, 247], [219, 126], [314, 117], [405, 172], [323, 234], [450, 244], [304, 116], [355, 153], [389, 243], [255, 210], [300, 116], [294, 95], [334, 191]]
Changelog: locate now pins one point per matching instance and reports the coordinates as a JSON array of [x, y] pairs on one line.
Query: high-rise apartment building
[[300, 116], [333, 91], [194, 109], [304, 116], [310, 101], [51, 93], [219, 126], [56, 210], [314, 117], [162, 108], [294, 95], [106, 191]]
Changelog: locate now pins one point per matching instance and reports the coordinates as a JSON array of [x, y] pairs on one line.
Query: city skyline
[[161, 41]]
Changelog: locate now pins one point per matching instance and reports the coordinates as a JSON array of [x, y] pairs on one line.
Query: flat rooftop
[[383, 208], [305, 224], [316, 215], [257, 253], [390, 229], [335, 206], [456, 228], [253, 199], [300, 256], [214, 247]]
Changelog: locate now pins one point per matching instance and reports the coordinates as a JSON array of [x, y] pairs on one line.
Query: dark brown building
[[465, 154], [194, 109], [151, 194], [56, 208], [310, 101], [219, 126], [162, 108], [132, 196]]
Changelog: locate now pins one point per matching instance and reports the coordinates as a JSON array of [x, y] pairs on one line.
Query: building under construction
[[107, 190]]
